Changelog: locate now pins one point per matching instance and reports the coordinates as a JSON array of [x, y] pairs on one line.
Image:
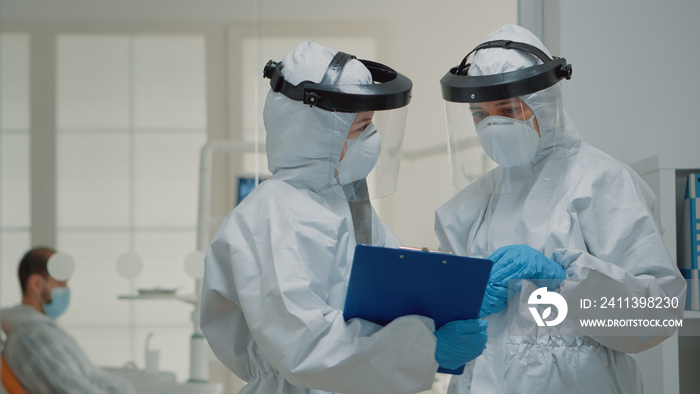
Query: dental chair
[[9, 381]]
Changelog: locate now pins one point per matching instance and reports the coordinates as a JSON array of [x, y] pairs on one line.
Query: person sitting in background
[[43, 356]]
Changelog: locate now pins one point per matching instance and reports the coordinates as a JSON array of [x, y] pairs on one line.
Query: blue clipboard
[[387, 283]]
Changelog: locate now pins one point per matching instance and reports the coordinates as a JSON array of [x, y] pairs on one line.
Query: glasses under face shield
[[506, 124]]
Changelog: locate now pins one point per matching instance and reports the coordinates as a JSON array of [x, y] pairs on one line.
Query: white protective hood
[[543, 103], [304, 143], [559, 138]]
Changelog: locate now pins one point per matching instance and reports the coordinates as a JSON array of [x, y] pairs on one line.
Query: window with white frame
[[14, 161], [131, 120]]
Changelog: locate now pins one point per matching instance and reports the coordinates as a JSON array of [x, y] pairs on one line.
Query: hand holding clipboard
[[387, 283]]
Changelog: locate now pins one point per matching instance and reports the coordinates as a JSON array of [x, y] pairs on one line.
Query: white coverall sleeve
[[277, 269], [625, 256], [47, 360]]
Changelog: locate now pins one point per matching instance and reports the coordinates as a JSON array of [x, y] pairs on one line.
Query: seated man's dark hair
[[33, 262]]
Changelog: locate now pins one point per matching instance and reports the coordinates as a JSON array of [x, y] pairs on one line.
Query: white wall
[[634, 94], [124, 9], [634, 91]]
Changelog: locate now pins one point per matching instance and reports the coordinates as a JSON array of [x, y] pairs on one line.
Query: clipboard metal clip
[[423, 249]]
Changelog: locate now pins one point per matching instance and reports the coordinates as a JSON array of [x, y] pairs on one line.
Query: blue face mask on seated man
[[60, 299]]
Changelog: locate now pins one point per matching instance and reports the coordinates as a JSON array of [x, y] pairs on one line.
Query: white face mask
[[507, 141], [360, 157]]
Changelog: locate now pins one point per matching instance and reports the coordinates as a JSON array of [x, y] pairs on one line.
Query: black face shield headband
[[390, 89], [458, 87]]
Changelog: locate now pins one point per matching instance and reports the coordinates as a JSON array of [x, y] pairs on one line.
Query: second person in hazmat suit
[[557, 213], [277, 270]]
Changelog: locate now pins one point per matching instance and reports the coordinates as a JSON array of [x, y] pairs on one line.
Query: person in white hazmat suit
[[551, 212], [44, 358], [277, 270]]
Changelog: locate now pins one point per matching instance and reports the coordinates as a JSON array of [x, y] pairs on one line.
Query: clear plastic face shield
[[506, 124], [368, 125], [371, 151]]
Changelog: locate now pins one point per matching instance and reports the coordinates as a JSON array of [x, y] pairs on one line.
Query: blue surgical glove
[[514, 262], [459, 342]]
